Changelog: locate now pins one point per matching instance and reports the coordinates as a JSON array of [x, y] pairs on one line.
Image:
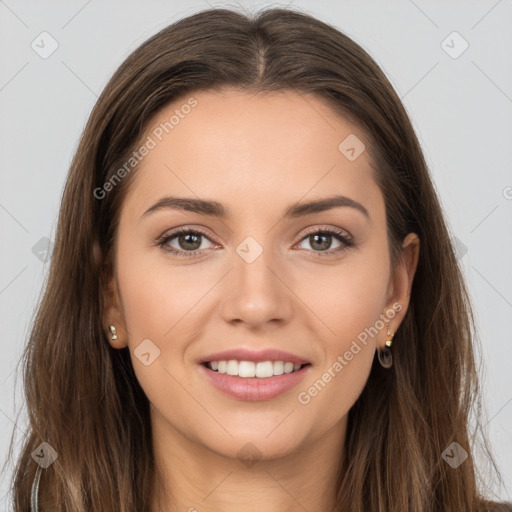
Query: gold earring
[[390, 338], [384, 354], [114, 333]]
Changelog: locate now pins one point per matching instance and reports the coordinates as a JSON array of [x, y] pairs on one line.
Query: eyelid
[[326, 228]]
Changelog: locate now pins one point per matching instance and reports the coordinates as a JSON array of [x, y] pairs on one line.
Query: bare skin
[[256, 155]]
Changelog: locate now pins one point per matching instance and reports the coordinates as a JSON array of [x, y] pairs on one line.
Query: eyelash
[[338, 234]]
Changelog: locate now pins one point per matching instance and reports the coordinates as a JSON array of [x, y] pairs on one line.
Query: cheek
[[339, 379], [157, 297], [347, 298], [165, 304], [159, 304], [350, 302], [330, 394]]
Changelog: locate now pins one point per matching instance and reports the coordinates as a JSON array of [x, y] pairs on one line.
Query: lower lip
[[254, 388]]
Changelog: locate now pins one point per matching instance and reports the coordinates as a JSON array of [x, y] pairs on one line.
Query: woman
[[310, 350]]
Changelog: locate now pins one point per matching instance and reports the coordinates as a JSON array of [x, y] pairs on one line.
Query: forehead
[[254, 149]]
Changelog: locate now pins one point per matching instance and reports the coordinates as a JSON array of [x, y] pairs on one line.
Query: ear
[[112, 308], [399, 289]]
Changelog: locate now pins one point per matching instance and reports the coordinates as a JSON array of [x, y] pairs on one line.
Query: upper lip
[[243, 354]]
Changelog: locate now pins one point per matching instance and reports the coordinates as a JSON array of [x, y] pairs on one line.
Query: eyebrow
[[216, 209]]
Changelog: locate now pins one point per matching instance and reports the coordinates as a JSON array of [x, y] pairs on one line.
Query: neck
[[193, 478]]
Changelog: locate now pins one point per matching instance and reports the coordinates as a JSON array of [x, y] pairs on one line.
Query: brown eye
[[321, 241], [184, 242], [189, 241]]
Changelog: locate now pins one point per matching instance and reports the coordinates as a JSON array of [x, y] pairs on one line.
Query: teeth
[[264, 369], [246, 369], [278, 367], [232, 368], [249, 369]]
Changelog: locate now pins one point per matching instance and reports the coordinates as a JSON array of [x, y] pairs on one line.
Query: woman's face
[[251, 275]]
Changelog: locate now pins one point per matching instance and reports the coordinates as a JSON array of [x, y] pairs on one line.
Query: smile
[[251, 381]]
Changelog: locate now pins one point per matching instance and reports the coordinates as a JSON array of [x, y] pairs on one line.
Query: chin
[[259, 440]]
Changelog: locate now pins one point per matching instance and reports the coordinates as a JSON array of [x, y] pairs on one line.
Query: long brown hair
[[82, 395]]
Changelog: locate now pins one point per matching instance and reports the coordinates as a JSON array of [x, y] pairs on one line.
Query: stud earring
[[384, 354], [114, 333]]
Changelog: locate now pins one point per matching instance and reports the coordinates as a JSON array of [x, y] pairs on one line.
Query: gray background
[[460, 107]]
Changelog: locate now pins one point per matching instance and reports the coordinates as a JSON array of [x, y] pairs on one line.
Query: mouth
[[253, 381]]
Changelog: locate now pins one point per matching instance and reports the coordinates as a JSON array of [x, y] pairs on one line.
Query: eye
[[321, 241], [189, 242]]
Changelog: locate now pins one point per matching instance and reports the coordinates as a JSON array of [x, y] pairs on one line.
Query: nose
[[256, 290]]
